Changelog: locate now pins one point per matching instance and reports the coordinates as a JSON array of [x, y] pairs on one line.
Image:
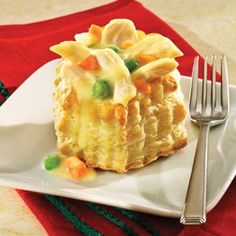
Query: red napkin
[[23, 49]]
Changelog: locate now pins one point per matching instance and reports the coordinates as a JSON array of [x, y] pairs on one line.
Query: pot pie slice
[[118, 103]]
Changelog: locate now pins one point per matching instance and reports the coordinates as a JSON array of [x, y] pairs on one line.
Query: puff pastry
[[141, 120]]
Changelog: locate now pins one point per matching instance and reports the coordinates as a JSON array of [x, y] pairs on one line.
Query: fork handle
[[194, 211]]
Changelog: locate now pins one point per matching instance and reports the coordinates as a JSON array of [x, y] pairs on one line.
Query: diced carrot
[[127, 43], [75, 167], [96, 31], [144, 58], [90, 63], [142, 86]]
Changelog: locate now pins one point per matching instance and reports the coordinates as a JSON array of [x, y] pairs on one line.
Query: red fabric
[[24, 48], [105, 227]]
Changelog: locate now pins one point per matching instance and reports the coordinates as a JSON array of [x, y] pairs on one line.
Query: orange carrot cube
[[142, 86], [75, 167], [90, 63], [96, 31]]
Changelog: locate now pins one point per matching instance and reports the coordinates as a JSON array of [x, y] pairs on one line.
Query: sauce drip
[[61, 172]]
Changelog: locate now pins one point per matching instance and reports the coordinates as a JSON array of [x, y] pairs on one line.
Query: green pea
[[102, 89], [115, 48], [131, 64], [51, 161]]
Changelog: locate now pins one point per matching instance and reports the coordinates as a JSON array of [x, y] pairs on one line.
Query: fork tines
[[209, 99]]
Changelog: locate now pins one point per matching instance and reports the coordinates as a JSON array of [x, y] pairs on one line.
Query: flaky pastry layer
[[118, 137]]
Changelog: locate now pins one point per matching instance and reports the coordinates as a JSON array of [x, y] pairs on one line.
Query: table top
[[217, 35]]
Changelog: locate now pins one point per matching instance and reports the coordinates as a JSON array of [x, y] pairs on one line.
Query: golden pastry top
[[114, 61]]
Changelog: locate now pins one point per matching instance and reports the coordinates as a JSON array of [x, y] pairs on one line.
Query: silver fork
[[206, 110]]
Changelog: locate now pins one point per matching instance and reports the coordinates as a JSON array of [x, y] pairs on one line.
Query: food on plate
[[118, 103], [51, 161], [71, 168]]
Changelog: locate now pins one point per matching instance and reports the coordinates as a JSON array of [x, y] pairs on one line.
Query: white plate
[[26, 135]]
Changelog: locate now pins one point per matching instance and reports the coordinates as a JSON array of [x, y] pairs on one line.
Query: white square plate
[[27, 134]]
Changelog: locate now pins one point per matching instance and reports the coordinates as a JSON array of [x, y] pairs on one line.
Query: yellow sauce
[[83, 131], [61, 172]]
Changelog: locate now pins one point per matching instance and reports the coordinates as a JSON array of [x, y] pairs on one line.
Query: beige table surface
[[209, 26]]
